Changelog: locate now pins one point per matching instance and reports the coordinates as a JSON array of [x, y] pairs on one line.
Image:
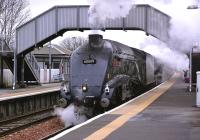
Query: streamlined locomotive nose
[[87, 101], [86, 95], [88, 69]]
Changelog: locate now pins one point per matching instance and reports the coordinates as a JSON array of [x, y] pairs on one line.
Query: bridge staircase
[[31, 68]]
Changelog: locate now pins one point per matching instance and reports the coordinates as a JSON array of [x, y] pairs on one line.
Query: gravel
[[37, 131]]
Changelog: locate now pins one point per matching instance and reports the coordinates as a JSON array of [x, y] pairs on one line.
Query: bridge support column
[[1, 71], [15, 70], [50, 62], [22, 72]]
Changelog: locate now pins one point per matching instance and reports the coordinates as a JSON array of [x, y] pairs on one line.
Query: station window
[[56, 65], [46, 64]]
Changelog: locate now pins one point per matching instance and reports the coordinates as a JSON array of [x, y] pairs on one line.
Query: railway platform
[[31, 90], [26, 101], [167, 112]]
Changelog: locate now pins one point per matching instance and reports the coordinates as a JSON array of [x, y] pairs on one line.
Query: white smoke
[[183, 33], [185, 27], [70, 115], [184, 24], [172, 58], [101, 10]]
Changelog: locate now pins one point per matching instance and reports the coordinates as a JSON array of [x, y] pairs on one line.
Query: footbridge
[[59, 19]]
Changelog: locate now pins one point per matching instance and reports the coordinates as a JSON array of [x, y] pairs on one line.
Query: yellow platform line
[[131, 110]]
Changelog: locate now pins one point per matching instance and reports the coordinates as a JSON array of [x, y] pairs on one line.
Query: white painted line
[[98, 116], [27, 94]]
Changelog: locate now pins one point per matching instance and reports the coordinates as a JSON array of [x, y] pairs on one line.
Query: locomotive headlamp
[[84, 87], [65, 87], [107, 89]]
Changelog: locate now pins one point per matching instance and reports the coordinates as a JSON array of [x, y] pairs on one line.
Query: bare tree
[[12, 14], [71, 43]]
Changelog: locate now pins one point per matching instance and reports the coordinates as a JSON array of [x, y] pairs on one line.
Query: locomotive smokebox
[[95, 40]]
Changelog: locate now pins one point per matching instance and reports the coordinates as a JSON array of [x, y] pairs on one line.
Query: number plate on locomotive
[[89, 61]]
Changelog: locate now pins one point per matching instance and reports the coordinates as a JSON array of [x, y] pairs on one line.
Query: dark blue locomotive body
[[104, 73]]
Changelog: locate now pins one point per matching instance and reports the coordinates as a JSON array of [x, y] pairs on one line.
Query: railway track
[[16, 124], [21, 111]]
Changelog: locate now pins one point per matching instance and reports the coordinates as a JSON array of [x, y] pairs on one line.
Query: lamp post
[[15, 67], [191, 7], [190, 80], [190, 77]]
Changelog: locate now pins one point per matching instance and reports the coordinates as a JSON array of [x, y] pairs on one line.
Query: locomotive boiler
[[104, 73]]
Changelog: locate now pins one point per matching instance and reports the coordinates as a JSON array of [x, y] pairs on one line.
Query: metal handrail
[[33, 64]]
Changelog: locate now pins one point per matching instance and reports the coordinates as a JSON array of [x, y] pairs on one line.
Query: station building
[[42, 57]]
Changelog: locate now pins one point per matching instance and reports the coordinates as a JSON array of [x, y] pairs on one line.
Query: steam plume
[[69, 117], [170, 57], [101, 10], [184, 32]]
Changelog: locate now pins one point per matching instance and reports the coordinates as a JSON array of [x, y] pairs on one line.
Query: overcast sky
[[39, 6]]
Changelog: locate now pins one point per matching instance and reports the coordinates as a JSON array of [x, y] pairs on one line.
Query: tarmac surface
[[166, 113]]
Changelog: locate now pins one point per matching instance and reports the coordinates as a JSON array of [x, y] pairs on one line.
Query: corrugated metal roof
[[56, 49]]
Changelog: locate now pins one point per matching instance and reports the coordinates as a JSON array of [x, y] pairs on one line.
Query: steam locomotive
[[104, 73]]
